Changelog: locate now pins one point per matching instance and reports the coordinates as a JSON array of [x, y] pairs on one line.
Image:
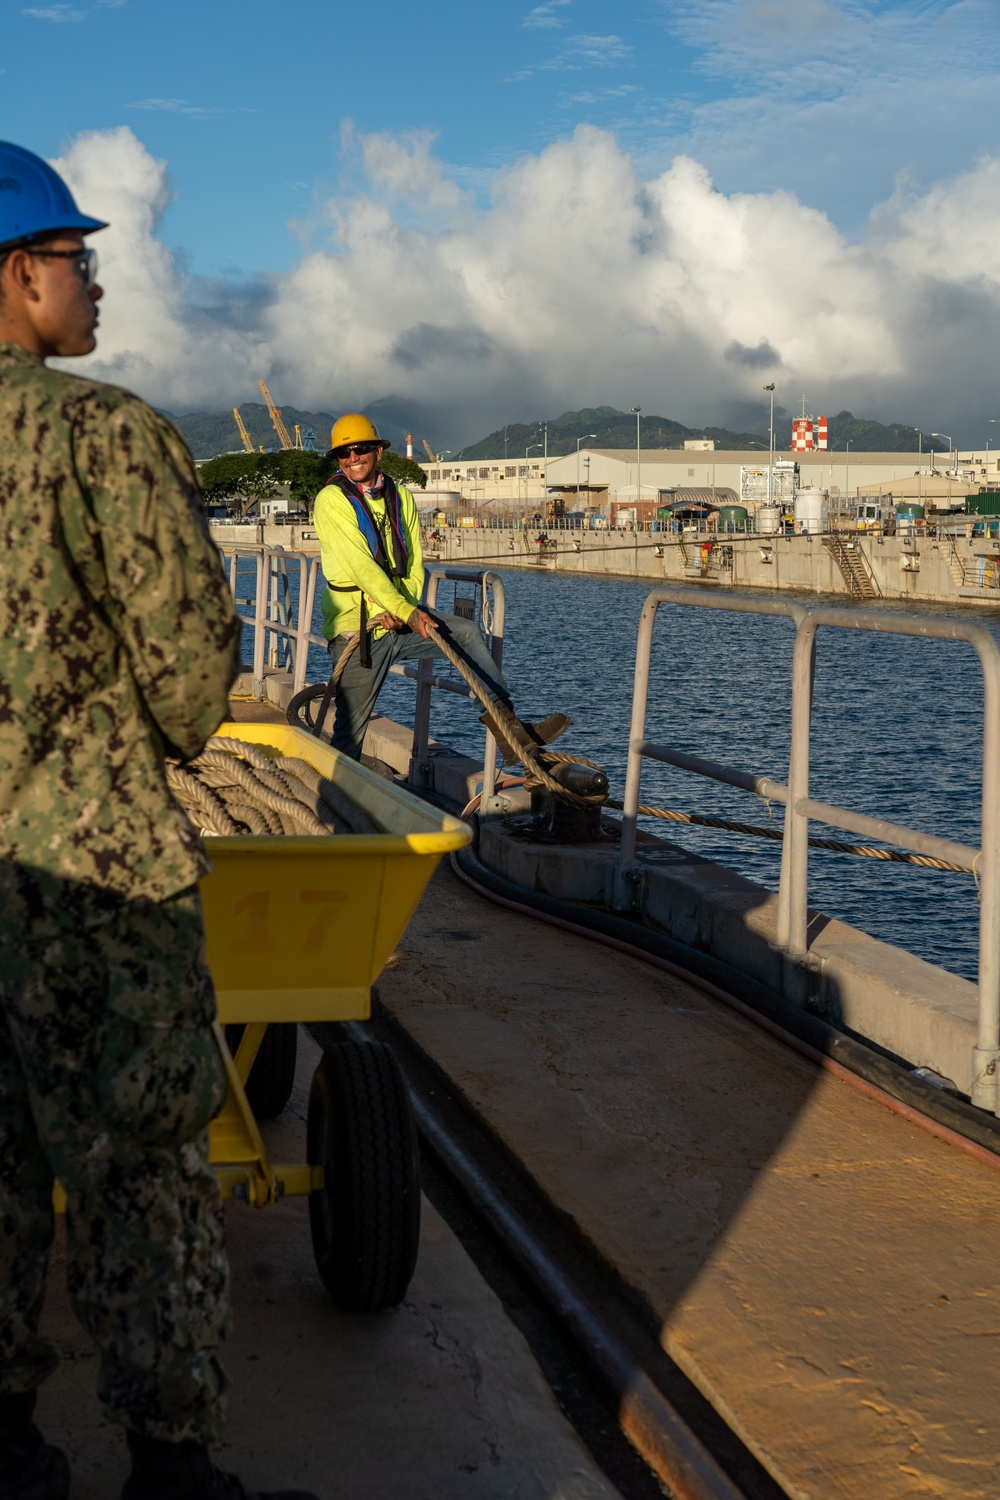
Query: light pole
[[847, 477], [951, 460], [545, 460], [920, 461], [527, 481], [580, 440], [993, 421], [950, 446], [770, 443], [636, 410]]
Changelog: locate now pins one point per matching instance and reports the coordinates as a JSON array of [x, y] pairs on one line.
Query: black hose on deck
[[874, 1067]]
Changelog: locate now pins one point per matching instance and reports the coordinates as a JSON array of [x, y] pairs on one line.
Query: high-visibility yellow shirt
[[347, 560]]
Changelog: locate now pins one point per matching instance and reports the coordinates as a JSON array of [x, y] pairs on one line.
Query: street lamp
[[770, 444], [847, 477], [993, 421], [951, 459], [530, 449], [636, 410], [920, 466], [580, 440], [950, 445]]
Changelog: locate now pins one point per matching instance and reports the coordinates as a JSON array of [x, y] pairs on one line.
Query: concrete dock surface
[[823, 1270], [439, 1399]]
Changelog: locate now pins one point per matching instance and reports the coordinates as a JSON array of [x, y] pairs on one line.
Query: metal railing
[[792, 934], [282, 635], [492, 618], [277, 640]]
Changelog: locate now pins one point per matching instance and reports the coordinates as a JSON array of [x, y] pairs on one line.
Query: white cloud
[[578, 283], [834, 97], [56, 13], [545, 16], [171, 106]]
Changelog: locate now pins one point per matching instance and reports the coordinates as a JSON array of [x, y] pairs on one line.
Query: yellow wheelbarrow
[[298, 930]]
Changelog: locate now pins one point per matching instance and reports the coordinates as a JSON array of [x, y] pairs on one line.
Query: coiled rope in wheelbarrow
[[233, 787]]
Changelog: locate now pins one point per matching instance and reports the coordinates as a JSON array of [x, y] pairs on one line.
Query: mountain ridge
[[212, 434]]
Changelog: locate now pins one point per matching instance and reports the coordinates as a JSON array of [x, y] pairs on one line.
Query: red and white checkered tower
[[807, 434]]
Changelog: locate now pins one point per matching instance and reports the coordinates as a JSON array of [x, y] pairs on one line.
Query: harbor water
[[897, 730]]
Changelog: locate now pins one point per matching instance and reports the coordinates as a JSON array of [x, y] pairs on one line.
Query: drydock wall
[[927, 569]]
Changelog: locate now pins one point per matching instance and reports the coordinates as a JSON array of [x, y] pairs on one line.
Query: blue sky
[[265, 117]]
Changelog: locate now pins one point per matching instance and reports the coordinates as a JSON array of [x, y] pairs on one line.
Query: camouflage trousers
[[109, 1075]]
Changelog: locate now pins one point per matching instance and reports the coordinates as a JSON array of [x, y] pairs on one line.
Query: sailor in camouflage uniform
[[118, 643]]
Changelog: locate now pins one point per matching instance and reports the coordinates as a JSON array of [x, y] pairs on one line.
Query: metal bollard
[[563, 820]]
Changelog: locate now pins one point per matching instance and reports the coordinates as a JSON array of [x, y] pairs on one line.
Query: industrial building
[[602, 479]]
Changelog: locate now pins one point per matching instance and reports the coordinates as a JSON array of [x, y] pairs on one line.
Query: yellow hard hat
[[355, 427]]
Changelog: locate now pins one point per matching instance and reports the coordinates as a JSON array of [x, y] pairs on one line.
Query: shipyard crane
[[428, 450], [247, 444], [275, 416]]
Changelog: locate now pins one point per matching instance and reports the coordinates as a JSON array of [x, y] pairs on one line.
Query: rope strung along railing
[[865, 851], [232, 787]]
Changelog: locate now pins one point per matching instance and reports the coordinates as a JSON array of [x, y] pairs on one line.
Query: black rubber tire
[[272, 1077], [365, 1220], [305, 705]]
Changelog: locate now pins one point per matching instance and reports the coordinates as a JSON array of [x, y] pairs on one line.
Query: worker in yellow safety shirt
[[369, 535]]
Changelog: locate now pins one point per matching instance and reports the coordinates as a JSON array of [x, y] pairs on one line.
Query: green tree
[[403, 470], [246, 476]]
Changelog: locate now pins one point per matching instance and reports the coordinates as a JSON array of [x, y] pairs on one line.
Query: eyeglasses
[[360, 450], [85, 261]]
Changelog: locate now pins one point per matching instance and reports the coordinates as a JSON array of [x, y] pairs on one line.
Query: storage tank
[[812, 509], [732, 518], [908, 515], [769, 520]]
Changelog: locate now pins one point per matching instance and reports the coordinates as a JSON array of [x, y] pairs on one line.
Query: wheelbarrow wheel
[[365, 1220], [269, 1087]]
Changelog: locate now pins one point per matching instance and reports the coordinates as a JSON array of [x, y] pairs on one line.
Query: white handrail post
[[260, 622], [308, 578], [793, 897], [986, 1056], [623, 893]]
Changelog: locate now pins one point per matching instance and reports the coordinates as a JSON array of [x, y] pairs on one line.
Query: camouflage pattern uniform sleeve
[[175, 614], [118, 637]]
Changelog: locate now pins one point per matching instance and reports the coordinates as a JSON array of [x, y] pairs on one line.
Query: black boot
[[184, 1471], [29, 1468]]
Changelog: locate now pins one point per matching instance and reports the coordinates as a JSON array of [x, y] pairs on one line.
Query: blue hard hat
[[34, 200]]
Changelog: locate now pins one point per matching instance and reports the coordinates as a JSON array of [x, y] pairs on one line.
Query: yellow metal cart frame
[[299, 928]]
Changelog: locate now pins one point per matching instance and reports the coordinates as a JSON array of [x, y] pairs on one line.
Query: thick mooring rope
[[537, 758], [866, 851], [534, 758], [233, 787]]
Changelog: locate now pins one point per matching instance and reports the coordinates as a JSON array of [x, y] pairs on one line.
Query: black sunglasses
[[85, 261], [360, 450]]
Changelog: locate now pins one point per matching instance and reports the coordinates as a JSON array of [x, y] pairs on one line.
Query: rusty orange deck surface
[[827, 1273]]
